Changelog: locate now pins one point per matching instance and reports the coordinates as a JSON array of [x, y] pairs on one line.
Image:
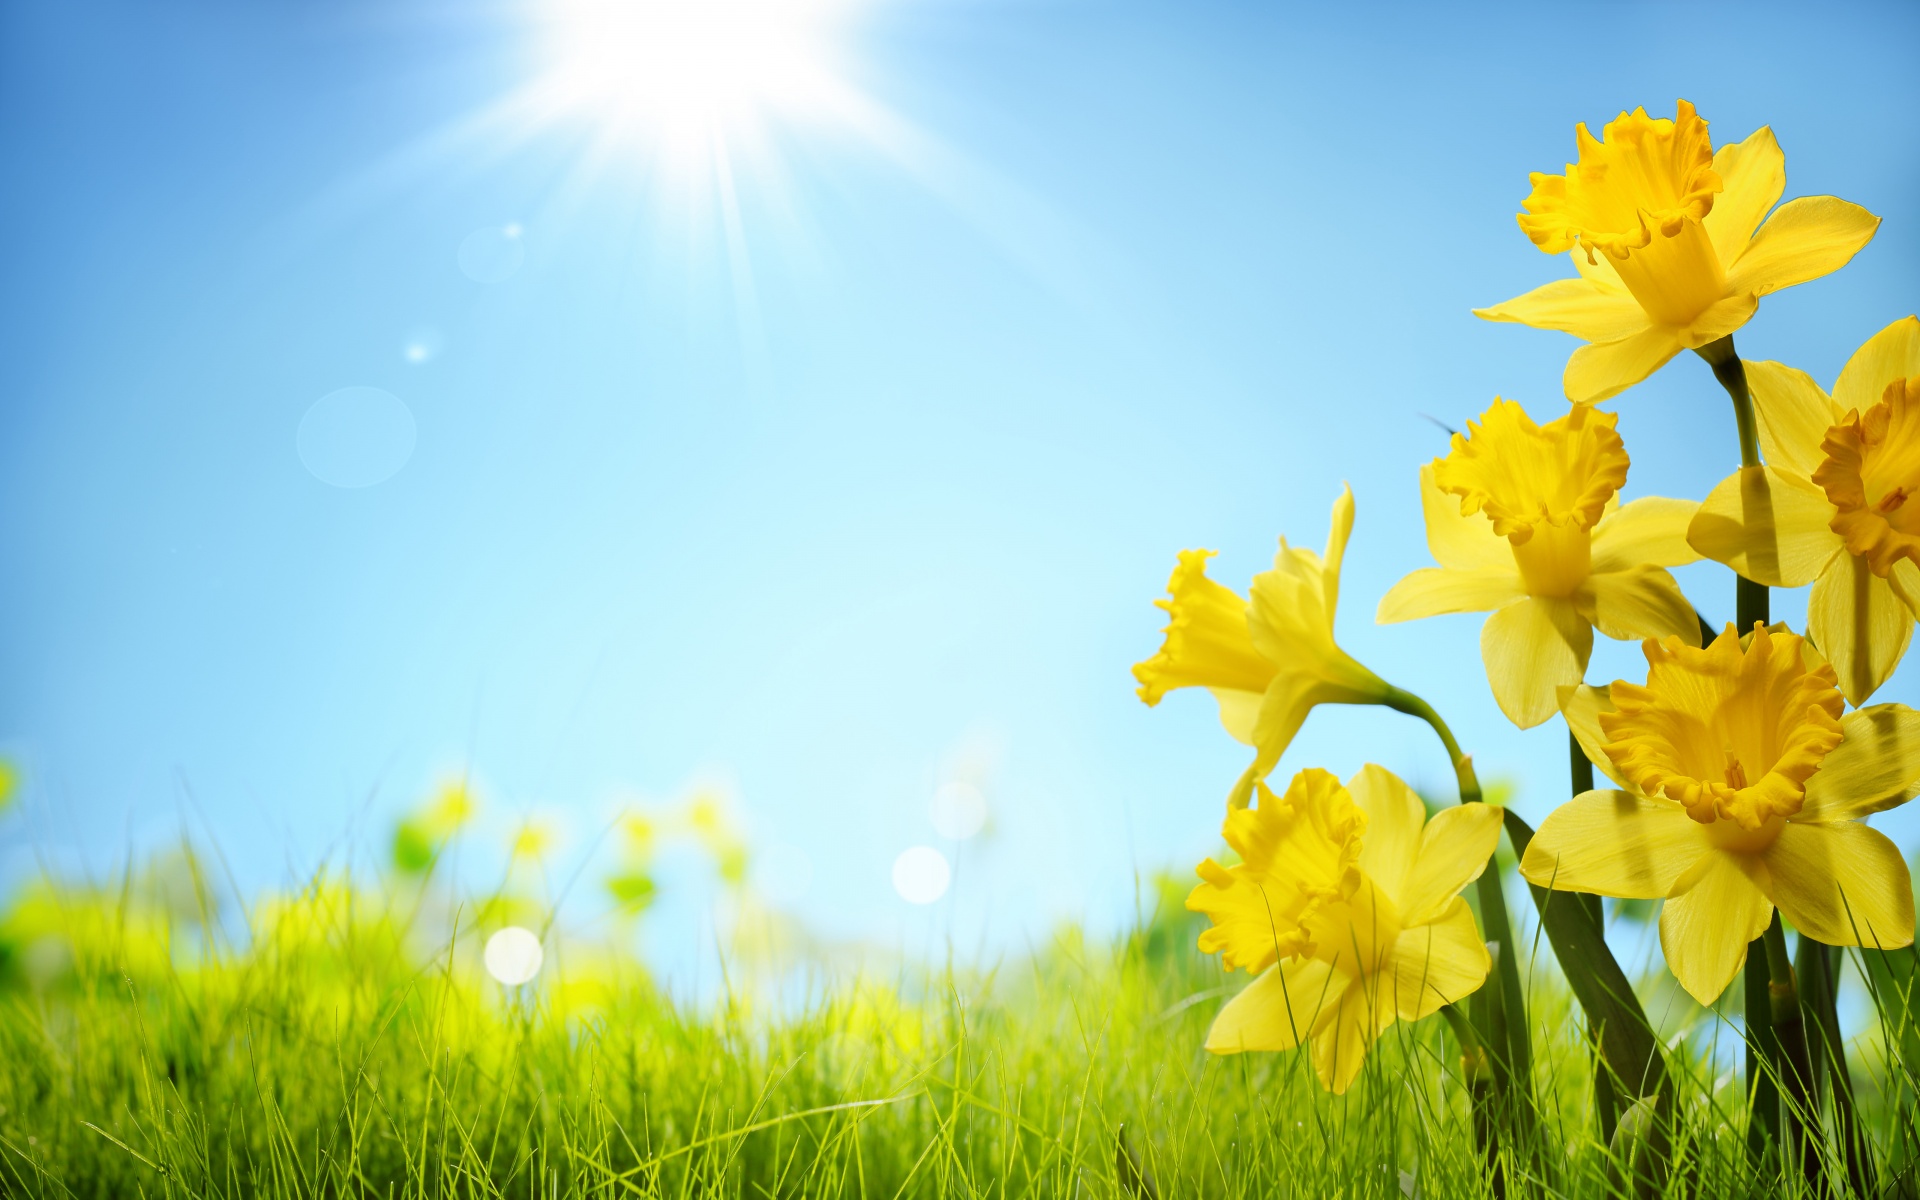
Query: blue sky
[[864, 478]]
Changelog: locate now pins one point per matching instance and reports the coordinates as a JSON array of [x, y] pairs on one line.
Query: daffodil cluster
[[1744, 767]]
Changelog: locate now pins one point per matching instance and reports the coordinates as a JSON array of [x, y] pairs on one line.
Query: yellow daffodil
[[1666, 237], [1535, 537], [1742, 788], [1267, 659], [1346, 902], [1831, 505]]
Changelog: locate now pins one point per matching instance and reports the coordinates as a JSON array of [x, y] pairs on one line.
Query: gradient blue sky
[[879, 472]]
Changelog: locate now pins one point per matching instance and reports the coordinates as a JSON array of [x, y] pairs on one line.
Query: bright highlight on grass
[[514, 956]]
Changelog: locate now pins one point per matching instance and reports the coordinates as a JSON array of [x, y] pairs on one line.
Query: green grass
[[346, 1044]]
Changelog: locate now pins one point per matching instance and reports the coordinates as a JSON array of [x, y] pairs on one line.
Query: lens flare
[[683, 73], [514, 955]]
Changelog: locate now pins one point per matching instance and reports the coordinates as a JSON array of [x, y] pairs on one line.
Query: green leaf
[[1627, 1042]]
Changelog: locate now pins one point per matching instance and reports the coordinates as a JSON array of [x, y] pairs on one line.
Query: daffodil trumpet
[[1268, 658], [1525, 523]]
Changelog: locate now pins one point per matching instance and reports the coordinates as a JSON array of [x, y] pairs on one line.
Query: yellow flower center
[[1207, 641], [1732, 734], [1544, 487], [1872, 474], [1638, 195]]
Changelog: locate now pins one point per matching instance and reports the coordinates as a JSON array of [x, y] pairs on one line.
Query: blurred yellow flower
[[9, 783], [1666, 236], [453, 805], [1267, 659], [533, 839], [1830, 506], [1536, 538], [1347, 903], [1741, 789]]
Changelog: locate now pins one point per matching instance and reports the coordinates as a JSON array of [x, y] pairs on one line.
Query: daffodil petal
[[1843, 884], [1893, 353], [1598, 269], [1290, 697], [1239, 712], [1585, 308], [1438, 963], [1280, 1009], [1860, 625], [1614, 844], [1531, 649], [1904, 579], [1804, 239], [1340, 528], [1461, 541], [1793, 415], [1722, 317], [1712, 913], [1651, 530], [1432, 591], [1767, 526], [1454, 849], [1752, 175], [1395, 817], [1602, 369], [1641, 602], [1875, 767], [1582, 706], [1340, 1049]]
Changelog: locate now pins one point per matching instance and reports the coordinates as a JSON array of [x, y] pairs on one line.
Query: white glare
[[921, 875], [959, 810], [681, 71], [514, 955]]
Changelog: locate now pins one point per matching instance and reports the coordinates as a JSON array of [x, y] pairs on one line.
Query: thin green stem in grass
[[1506, 1011], [1580, 779], [1800, 1099]]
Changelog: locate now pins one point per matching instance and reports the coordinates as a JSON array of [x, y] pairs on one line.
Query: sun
[[683, 75]]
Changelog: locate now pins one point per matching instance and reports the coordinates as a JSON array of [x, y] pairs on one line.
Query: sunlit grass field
[[346, 1041]]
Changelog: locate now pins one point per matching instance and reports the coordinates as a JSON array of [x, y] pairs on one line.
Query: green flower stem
[[1605, 1107], [1631, 1053], [1507, 1028], [1802, 1099], [1817, 999], [1766, 1062], [1476, 1068], [1732, 374]]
